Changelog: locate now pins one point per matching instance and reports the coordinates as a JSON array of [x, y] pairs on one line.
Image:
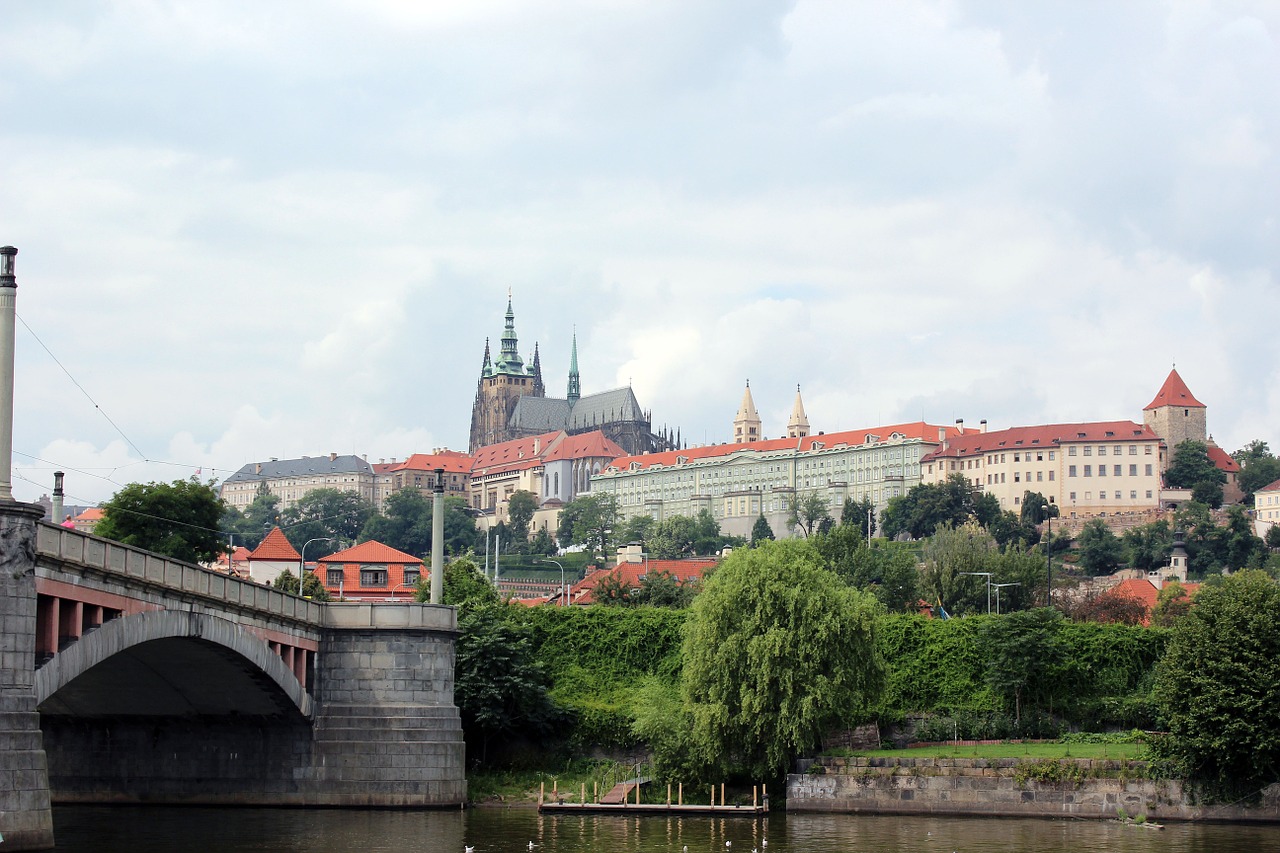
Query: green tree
[[1100, 549], [325, 513], [673, 538], [637, 530], [762, 532], [1172, 603], [948, 555], [1010, 530], [312, 588], [178, 519], [928, 506], [888, 571], [1191, 468], [1036, 508], [1258, 467], [1024, 656], [1272, 539], [520, 509], [1149, 546], [776, 651], [1218, 687], [249, 528], [807, 512], [542, 544], [861, 513], [407, 525], [590, 521]]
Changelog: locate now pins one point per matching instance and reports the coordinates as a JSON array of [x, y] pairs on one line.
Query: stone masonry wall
[[1005, 788]]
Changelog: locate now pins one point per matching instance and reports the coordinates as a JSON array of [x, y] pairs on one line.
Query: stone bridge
[[130, 677]]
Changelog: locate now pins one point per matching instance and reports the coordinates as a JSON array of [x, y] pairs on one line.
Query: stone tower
[[1175, 414], [575, 383], [503, 381], [798, 426], [746, 424]]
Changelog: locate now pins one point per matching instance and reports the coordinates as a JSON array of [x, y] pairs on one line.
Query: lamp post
[[987, 575], [302, 558], [997, 589], [1048, 553], [562, 592]]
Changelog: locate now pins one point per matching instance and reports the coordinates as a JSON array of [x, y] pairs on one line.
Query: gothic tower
[[798, 426], [502, 382], [746, 424], [575, 385], [1175, 414]]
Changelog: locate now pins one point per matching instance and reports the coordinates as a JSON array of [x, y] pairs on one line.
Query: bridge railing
[[70, 548]]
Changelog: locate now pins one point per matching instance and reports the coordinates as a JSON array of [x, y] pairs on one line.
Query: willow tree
[[777, 651]]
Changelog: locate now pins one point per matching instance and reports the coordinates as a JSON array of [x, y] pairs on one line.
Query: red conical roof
[[1174, 392], [275, 547]]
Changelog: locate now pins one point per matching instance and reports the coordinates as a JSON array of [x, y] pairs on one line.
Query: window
[[1118, 496], [1133, 494], [1088, 451], [1071, 451], [1102, 470], [1148, 494], [1073, 496], [1017, 501], [1071, 470], [373, 576], [412, 574], [1039, 476], [1051, 475], [1088, 470], [1102, 451], [1017, 477], [1051, 455], [1133, 450], [1146, 450], [1015, 457], [1148, 470], [333, 577], [1133, 470], [1088, 496]]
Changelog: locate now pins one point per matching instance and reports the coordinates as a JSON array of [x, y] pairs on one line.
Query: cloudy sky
[[252, 230]]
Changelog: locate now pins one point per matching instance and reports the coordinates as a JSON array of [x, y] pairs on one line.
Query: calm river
[[85, 829]]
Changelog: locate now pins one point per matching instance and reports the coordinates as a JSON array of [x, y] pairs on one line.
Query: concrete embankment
[[1007, 787]]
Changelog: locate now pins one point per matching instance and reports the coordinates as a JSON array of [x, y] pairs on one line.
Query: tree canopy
[[1100, 549], [761, 531], [520, 509], [331, 514], [1259, 467], [178, 519], [1191, 468], [807, 512], [928, 506], [777, 649], [407, 524], [1218, 687], [590, 521]]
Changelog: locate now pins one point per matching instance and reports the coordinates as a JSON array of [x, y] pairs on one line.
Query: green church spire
[[575, 385], [509, 362]]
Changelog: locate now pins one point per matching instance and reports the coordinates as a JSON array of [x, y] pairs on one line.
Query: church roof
[[618, 404], [747, 409], [513, 455], [539, 413], [798, 418], [583, 446], [275, 547], [371, 552], [1174, 392]]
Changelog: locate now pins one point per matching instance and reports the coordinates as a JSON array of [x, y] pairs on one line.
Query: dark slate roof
[[304, 467], [620, 404], [539, 414]]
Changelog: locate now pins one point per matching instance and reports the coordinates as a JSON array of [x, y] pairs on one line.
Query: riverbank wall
[[1008, 787]]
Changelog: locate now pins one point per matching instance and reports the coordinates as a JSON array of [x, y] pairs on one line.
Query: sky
[[250, 230]]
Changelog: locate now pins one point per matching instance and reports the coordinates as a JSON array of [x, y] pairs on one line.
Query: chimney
[[982, 426], [257, 467], [960, 425], [333, 457], [942, 433], [537, 445]]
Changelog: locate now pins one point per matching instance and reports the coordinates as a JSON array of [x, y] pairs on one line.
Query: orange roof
[[93, 513], [1174, 392], [1271, 488], [370, 552], [918, 430], [513, 455], [275, 546], [632, 574], [1046, 435], [240, 553], [1145, 592], [452, 461], [585, 445], [1222, 460]]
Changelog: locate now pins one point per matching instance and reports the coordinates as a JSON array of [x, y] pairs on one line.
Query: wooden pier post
[[595, 790], [555, 793], [722, 793], [764, 793], [680, 792], [542, 790], [754, 802], [668, 793], [583, 798]]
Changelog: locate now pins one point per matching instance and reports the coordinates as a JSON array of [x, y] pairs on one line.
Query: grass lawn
[[1016, 750]]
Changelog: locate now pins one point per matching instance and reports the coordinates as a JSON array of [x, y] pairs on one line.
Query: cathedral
[[511, 402]]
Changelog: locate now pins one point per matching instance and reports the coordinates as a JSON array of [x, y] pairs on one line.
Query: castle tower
[[798, 426], [1175, 414], [746, 424], [502, 382]]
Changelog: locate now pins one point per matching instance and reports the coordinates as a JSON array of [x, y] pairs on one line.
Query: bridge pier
[[26, 822]]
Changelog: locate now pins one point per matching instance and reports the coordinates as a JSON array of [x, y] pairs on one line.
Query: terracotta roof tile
[[587, 444], [1271, 488], [370, 552], [1045, 435], [632, 573], [452, 461], [276, 547], [1174, 392], [1222, 460]]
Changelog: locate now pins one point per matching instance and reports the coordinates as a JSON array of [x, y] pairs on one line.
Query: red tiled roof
[[240, 553], [452, 461], [275, 547], [1271, 488], [1222, 460], [632, 573], [370, 552], [917, 430], [1174, 392], [1046, 435], [93, 513], [513, 455], [585, 445], [1145, 592]]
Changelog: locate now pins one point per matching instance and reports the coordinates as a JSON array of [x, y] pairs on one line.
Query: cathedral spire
[[535, 370], [575, 385], [798, 426], [486, 368], [746, 424], [509, 361]]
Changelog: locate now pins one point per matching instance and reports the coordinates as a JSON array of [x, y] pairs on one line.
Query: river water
[[132, 829]]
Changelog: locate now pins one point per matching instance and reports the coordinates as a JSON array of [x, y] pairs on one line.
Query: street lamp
[[302, 559], [997, 589], [987, 575], [562, 591], [1048, 552]]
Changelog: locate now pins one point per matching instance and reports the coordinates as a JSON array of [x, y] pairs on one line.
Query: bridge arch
[[188, 659]]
